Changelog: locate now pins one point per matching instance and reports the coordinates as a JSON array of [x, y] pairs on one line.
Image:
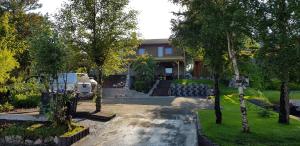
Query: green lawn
[[265, 131], [273, 96], [269, 96]]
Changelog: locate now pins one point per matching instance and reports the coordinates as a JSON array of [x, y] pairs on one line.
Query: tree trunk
[[218, 112], [284, 110], [243, 108], [99, 91]]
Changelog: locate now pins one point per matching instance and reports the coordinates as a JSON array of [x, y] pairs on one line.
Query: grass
[[273, 95], [75, 129], [30, 130], [269, 96], [265, 131]]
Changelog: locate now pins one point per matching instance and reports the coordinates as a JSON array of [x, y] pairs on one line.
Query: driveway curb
[[202, 139]]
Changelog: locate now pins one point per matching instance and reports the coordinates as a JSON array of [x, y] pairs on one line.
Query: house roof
[[155, 41]]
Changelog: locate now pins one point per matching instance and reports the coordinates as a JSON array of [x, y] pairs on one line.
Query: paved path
[[155, 121]]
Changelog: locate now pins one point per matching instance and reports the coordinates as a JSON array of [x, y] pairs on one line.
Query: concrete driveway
[[158, 121]]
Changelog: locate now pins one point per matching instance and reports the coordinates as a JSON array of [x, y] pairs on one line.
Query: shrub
[[6, 107], [274, 84], [26, 100], [142, 86], [265, 113], [26, 95]]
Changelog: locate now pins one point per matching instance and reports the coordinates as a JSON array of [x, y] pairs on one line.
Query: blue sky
[[153, 19]]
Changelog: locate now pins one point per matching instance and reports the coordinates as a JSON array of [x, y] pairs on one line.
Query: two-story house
[[170, 60]]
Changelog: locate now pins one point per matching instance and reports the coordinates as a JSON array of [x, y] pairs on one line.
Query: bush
[[26, 95], [142, 86], [26, 100], [294, 86], [275, 84], [265, 113], [6, 107]]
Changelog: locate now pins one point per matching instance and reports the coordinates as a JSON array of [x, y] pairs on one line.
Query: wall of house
[[153, 50]]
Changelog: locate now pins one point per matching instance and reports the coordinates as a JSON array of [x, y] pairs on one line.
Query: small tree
[[144, 68], [48, 55]]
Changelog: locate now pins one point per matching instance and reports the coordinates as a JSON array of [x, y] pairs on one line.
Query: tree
[[47, 52], [100, 27], [223, 22], [200, 32], [8, 45], [278, 29], [24, 21], [144, 67]]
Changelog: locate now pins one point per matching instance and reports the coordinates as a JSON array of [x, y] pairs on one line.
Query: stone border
[[202, 139], [69, 140]]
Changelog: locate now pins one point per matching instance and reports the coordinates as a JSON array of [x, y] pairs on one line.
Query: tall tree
[[24, 21], [278, 29], [200, 30], [8, 44], [221, 22], [99, 27]]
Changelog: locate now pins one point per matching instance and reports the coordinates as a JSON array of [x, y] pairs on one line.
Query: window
[[169, 70], [160, 52], [141, 51], [169, 51]]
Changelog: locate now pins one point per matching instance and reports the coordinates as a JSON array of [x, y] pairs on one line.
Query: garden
[[38, 52]]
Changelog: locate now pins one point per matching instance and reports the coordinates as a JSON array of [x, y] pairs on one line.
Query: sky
[[153, 19]]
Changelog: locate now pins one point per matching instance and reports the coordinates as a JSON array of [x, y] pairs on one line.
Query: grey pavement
[[159, 121]]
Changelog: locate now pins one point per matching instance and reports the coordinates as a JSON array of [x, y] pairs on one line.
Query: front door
[[169, 73]]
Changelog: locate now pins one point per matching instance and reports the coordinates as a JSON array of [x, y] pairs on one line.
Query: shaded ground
[[146, 121]]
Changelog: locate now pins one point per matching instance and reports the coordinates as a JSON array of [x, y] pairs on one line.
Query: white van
[[78, 82]]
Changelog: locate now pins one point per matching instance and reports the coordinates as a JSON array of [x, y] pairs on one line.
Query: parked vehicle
[[75, 82]]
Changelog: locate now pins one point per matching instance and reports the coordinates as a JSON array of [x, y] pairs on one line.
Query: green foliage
[[142, 86], [108, 42], [6, 107], [47, 51], [58, 107], [265, 113], [8, 44], [144, 68], [33, 131], [26, 101], [277, 24], [26, 95], [265, 131], [74, 130]]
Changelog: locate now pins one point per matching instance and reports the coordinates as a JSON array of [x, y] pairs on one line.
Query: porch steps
[[162, 88]]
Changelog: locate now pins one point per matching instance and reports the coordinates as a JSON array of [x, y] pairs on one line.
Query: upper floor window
[[169, 51], [141, 51], [160, 51]]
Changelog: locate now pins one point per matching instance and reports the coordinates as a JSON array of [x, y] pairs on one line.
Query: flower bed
[[28, 133]]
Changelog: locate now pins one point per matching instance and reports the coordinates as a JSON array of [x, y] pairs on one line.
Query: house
[[171, 63], [170, 60]]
